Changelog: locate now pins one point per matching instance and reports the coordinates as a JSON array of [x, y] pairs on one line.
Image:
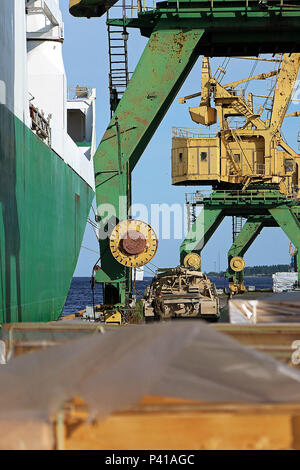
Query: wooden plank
[[71, 316], [166, 423], [184, 431]]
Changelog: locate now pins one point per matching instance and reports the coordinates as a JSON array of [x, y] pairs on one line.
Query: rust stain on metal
[[153, 42], [144, 122], [179, 40]]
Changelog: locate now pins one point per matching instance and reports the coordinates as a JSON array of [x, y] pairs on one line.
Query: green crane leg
[[250, 230], [203, 228], [163, 67], [289, 223]]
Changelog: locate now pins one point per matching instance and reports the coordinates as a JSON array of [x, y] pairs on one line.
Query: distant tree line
[[259, 270]]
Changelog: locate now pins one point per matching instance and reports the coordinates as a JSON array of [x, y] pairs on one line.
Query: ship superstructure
[[46, 148]]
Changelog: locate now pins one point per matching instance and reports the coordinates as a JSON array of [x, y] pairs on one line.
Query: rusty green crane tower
[[178, 31]]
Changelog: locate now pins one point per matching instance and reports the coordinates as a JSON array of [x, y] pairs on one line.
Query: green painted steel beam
[[247, 203], [162, 69], [251, 197], [231, 28], [288, 221], [262, 208], [219, 19], [201, 231], [249, 232]]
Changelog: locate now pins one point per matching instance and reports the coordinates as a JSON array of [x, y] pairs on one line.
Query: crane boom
[[284, 88]]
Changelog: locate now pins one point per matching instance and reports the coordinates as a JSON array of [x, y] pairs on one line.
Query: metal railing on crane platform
[[128, 10], [130, 7], [264, 195], [143, 5], [195, 132]]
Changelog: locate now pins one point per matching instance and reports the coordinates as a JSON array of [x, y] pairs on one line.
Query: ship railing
[[77, 93], [40, 124], [195, 133]]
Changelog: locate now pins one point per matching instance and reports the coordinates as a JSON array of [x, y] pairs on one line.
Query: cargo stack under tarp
[[283, 282], [274, 308], [176, 385]]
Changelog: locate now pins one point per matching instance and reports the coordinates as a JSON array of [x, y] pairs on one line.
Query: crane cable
[[251, 75], [89, 249], [222, 70], [94, 227], [93, 283], [272, 90]]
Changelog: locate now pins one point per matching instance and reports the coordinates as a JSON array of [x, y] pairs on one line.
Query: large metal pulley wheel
[[192, 261], [237, 264], [133, 243]]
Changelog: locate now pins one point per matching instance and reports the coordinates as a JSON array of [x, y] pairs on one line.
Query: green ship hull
[[44, 207]]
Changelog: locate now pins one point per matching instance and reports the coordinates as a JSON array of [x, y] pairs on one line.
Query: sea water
[[80, 294]]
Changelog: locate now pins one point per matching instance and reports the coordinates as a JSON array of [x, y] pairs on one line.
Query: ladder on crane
[[239, 142], [237, 224], [118, 63]]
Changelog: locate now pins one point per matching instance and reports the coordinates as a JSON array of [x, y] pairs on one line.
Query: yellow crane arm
[[295, 114], [285, 83], [205, 85], [287, 148], [261, 76], [205, 82], [183, 99], [206, 77]]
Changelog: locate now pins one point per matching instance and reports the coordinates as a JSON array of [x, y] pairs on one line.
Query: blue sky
[[86, 62]]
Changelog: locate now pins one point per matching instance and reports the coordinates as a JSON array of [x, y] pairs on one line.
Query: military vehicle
[[185, 293]]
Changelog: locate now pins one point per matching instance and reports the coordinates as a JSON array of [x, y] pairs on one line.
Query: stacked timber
[[276, 308]]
